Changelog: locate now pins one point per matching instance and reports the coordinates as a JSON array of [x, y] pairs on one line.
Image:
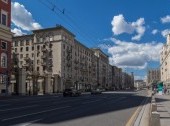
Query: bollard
[[153, 101], [153, 107], [155, 119]]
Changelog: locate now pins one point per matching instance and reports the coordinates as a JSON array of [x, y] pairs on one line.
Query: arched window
[[3, 60]]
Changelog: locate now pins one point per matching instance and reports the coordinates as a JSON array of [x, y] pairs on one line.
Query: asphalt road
[[107, 109]]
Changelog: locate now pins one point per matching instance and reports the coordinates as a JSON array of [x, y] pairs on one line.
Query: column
[[22, 81], [48, 84], [56, 83]]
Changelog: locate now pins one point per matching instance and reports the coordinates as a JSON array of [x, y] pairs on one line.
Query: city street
[[107, 109]]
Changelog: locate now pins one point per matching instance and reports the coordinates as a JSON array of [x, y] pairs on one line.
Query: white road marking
[[18, 108], [28, 123], [34, 113]]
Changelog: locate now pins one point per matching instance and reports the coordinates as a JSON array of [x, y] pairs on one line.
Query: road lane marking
[[28, 123], [134, 116], [34, 113], [19, 108]]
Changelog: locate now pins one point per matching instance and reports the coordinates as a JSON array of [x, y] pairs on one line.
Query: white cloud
[[119, 26], [17, 32], [165, 19], [133, 55], [22, 18], [165, 32], [155, 31], [140, 29]]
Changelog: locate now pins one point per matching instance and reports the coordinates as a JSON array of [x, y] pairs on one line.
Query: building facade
[[153, 76], [165, 62], [5, 42], [54, 60], [139, 84]]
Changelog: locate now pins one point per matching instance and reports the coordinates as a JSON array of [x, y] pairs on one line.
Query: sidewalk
[[163, 107]]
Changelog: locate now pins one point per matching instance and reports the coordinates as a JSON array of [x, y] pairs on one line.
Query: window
[[43, 68], [4, 17], [15, 49], [21, 43], [4, 45], [27, 55], [38, 62], [21, 56], [38, 47], [3, 79], [27, 42], [32, 47], [4, 60], [37, 68], [32, 54], [27, 48], [21, 49], [16, 43]]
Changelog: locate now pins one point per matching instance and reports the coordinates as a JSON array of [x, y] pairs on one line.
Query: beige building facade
[[54, 60], [165, 62], [153, 76]]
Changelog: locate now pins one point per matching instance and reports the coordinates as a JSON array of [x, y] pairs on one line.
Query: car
[[71, 92], [96, 91]]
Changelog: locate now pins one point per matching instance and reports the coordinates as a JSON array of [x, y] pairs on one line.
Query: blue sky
[[130, 32]]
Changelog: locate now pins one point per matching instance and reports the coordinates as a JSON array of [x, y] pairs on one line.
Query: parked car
[[96, 91], [71, 92]]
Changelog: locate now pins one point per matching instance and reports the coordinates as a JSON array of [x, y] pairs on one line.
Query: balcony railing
[[43, 56], [43, 64]]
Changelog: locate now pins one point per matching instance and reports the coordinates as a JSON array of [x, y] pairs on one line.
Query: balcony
[[26, 58], [44, 49], [25, 65], [43, 64], [43, 56]]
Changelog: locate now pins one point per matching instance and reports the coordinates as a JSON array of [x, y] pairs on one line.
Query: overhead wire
[[74, 24], [76, 27]]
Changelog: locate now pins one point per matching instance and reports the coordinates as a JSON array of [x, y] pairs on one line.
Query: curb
[[141, 117]]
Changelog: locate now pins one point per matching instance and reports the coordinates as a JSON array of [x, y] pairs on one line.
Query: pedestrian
[[165, 90]]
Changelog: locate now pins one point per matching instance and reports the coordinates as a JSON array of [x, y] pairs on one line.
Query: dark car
[[96, 91], [71, 92]]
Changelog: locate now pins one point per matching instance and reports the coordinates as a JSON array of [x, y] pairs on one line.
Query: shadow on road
[[107, 103]]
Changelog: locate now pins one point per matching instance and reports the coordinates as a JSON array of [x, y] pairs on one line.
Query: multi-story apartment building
[[5, 42], [165, 62], [153, 76], [116, 77], [102, 67], [54, 56], [55, 60]]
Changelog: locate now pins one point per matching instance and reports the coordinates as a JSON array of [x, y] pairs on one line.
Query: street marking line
[[134, 116], [28, 123], [18, 108], [34, 113]]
